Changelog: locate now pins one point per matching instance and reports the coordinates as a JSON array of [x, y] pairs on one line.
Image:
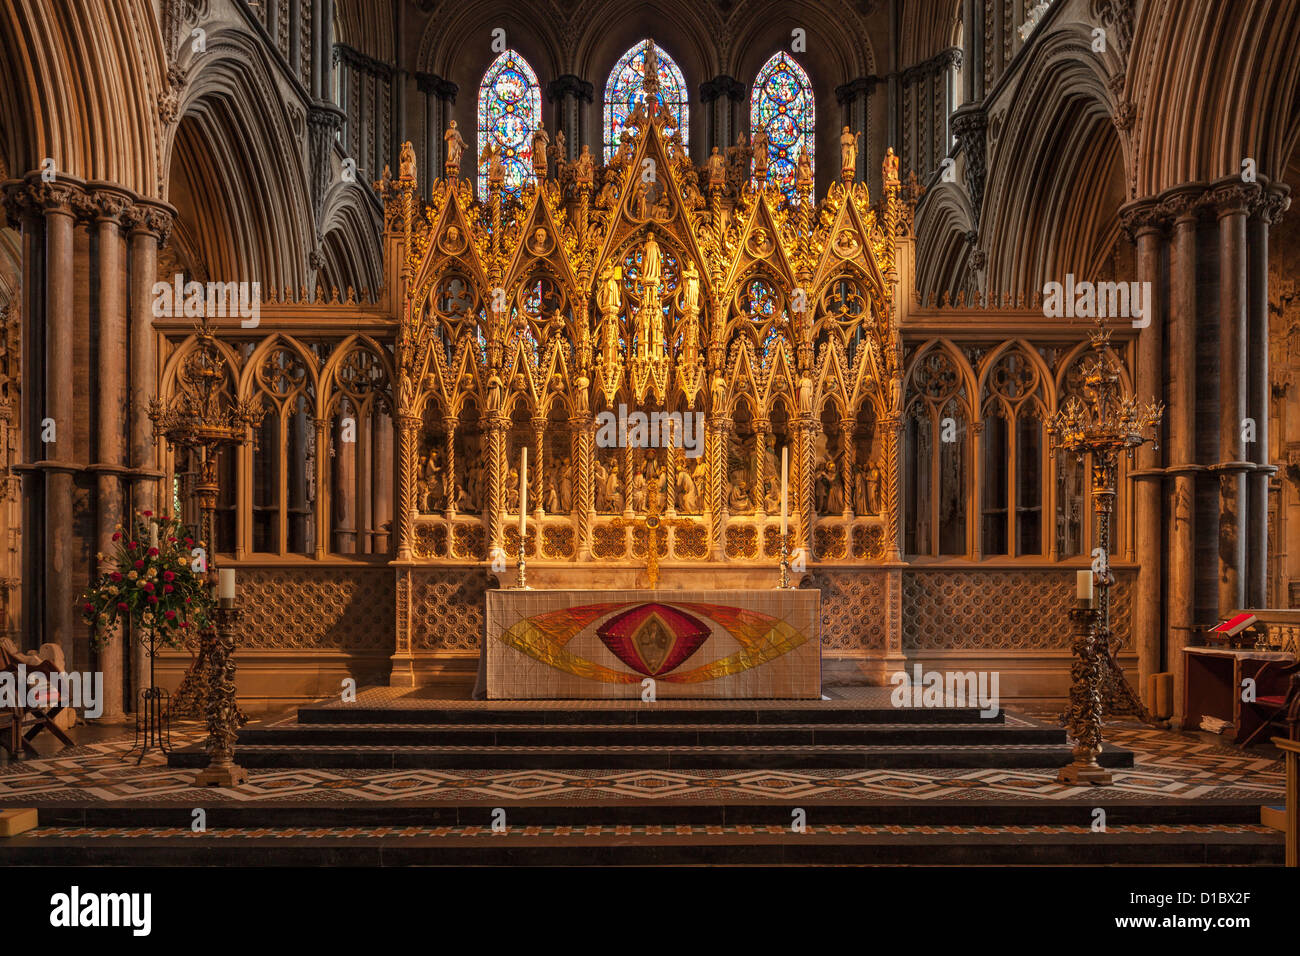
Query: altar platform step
[[647, 735], [824, 756]]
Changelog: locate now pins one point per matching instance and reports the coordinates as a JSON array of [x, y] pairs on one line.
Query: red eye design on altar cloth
[[653, 638]]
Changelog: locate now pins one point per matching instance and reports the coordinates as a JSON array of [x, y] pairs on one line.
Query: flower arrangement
[[150, 580]]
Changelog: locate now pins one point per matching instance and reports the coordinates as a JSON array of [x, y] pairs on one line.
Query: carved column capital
[[1233, 198]]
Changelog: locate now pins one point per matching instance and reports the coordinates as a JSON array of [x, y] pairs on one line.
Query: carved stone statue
[[651, 263], [690, 289], [407, 168], [558, 156], [585, 167], [849, 152], [760, 144], [717, 169], [496, 172], [873, 490], [891, 167], [803, 175], [541, 140], [455, 144]]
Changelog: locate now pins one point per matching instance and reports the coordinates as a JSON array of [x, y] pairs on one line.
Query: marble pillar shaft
[[112, 406], [1257, 407], [1149, 544], [59, 456], [1232, 402]]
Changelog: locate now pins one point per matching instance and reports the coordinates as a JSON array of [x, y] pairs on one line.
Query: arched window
[[938, 449], [509, 109], [625, 88], [782, 104], [1013, 457]]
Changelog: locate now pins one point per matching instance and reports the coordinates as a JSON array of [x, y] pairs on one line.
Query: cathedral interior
[[655, 296]]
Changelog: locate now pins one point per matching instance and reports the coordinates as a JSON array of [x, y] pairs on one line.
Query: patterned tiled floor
[[1168, 767]]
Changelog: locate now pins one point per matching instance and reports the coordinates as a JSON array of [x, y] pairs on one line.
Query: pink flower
[[121, 606], [117, 535], [148, 585], [153, 552], [152, 599], [116, 577], [168, 589], [133, 545], [170, 615], [147, 514], [169, 575], [88, 607], [139, 564]]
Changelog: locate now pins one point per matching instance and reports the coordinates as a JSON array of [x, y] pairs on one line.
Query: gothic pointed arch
[[625, 88], [783, 106], [509, 111]]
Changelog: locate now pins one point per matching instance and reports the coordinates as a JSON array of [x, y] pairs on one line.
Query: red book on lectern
[[1235, 625]]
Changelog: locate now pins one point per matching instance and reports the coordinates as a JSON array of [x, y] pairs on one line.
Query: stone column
[[568, 93], [382, 491], [59, 460], [324, 504], [149, 228], [1180, 426], [439, 96], [450, 424], [408, 431], [345, 487], [496, 480], [1232, 201], [848, 464], [108, 204], [762, 427], [853, 98], [363, 476], [1266, 210], [537, 475], [584, 448], [1145, 226], [719, 97]]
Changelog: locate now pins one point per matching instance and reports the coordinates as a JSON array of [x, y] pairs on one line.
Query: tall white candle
[[1083, 586], [226, 584], [785, 480], [153, 533], [523, 496]]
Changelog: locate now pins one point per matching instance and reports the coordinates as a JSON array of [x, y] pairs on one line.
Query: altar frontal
[[672, 644]]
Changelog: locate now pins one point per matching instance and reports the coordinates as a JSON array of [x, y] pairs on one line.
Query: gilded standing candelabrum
[[1100, 426], [203, 418]]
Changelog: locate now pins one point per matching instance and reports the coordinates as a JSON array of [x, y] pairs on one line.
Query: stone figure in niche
[[492, 157], [565, 486], [716, 167], [772, 499], [552, 497], [860, 491], [828, 490], [431, 474], [455, 144], [740, 501], [738, 160], [873, 490], [637, 490], [805, 394], [511, 491], [585, 167], [688, 493], [599, 478]]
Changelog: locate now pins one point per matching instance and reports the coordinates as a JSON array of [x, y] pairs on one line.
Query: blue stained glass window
[[509, 109], [624, 89], [782, 104]]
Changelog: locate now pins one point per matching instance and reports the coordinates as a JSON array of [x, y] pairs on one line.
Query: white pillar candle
[[1083, 586], [153, 533], [226, 584], [785, 480], [523, 496]]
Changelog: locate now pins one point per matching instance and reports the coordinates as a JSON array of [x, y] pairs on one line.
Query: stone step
[[1066, 811], [662, 735], [635, 712], [622, 845], [824, 756]]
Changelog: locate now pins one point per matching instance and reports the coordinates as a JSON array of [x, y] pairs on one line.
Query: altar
[[702, 644]]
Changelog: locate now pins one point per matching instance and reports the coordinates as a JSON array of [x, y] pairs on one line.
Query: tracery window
[[625, 88], [509, 109], [936, 461], [1012, 457], [782, 104]]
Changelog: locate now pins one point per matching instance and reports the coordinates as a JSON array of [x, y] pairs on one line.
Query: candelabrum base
[[227, 775], [1089, 774]]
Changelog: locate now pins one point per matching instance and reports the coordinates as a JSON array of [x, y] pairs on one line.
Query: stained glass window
[[624, 90], [509, 108], [782, 104]]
